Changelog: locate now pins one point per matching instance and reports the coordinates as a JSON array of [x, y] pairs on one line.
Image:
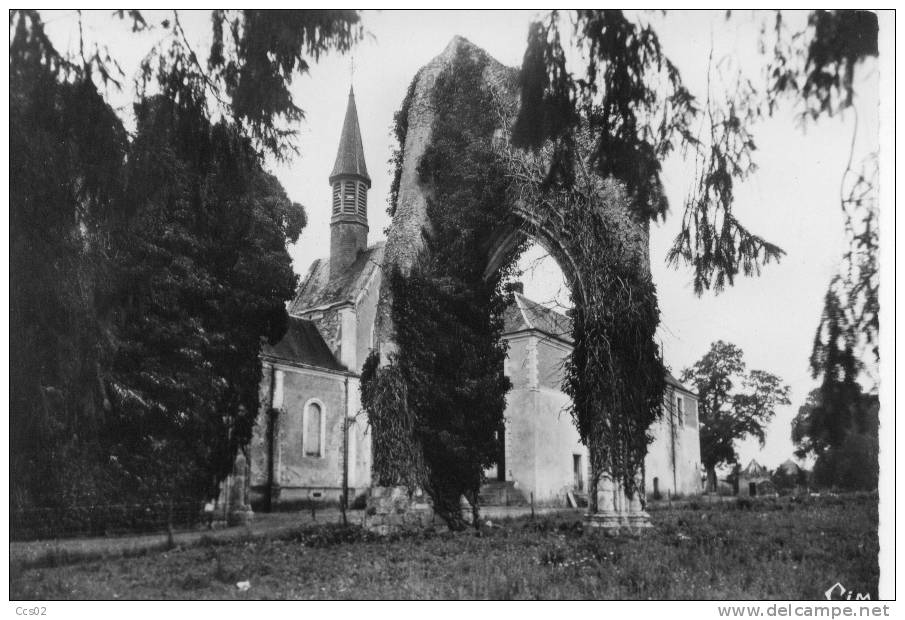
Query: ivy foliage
[[397, 459], [615, 375], [400, 131], [448, 319], [629, 99]]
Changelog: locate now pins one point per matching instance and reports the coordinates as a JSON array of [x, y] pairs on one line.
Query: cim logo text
[[839, 593]]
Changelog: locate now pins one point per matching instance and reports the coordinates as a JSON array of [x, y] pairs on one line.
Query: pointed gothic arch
[[602, 250]]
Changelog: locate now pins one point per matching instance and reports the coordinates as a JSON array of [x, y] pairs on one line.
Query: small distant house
[[790, 468], [789, 476], [754, 480]]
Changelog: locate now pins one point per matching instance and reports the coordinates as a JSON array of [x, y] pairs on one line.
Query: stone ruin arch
[[528, 220]]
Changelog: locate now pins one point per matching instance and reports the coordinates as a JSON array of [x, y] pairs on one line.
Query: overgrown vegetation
[[146, 270], [767, 549], [630, 104], [448, 317], [446, 375]]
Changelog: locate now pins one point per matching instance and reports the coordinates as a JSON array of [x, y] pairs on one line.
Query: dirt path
[[66, 551], [72, 550]]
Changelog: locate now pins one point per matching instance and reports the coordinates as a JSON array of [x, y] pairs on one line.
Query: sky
[[791, 200]]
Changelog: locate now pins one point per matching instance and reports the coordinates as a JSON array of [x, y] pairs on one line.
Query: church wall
[[540, 436], [366, 314], [300, 476], [551, 358], [658, 463], [348, 338], [521, 439], [257, 447], [330, 327], [557, 443], [518, 365], [359, 442], [360, 456]]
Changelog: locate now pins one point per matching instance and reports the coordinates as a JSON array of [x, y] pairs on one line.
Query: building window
[[691, 413], [313, 428], [680, 410], [337, 200], [362, 200], [348, 196]]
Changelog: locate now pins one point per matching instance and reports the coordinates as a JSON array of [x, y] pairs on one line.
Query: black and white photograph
[[452, 305]]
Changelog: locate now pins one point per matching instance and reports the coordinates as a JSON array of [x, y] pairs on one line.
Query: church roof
[[524, 315], [303, 344], [321, 288], [350, 158]]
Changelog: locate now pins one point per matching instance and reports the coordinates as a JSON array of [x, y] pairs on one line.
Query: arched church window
[[313, 430]]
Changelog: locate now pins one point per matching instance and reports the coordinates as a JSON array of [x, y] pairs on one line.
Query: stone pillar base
[[391, 510], [617, 513]]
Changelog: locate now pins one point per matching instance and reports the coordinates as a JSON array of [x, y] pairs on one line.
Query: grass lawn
[[766, 550]]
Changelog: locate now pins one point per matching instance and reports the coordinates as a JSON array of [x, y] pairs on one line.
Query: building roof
[[321, 288], [754, 469], [671, 380], [525, 314], [350, 158], [303, 344]]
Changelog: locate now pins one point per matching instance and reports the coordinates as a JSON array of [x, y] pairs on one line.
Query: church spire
[[350, 182], [350, 158]]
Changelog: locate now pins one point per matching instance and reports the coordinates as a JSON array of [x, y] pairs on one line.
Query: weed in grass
[[765, 551]]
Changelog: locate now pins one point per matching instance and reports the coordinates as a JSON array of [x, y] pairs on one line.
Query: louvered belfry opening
[[350, 184]]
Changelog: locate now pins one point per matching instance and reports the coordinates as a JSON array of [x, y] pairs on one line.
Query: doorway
[[577, 472], [752, 489]]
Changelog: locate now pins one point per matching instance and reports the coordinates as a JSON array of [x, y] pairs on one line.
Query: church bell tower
[[350, 183]]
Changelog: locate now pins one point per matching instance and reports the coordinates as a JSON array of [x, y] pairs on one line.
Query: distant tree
[[843, 435], [786, 480], [629, 98], [733, 404]]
